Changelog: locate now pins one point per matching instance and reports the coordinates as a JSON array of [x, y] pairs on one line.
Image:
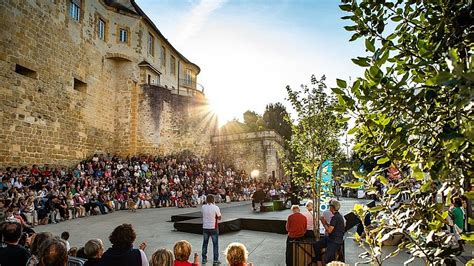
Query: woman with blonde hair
[[237, 254], [162, 257]]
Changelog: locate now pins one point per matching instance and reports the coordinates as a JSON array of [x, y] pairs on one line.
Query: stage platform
[[244, 218]]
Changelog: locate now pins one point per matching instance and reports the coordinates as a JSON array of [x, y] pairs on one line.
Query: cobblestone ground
[[153, 227]]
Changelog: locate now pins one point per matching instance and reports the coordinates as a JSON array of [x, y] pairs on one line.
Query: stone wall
[[251, 151], [65, 94], [170, 123]]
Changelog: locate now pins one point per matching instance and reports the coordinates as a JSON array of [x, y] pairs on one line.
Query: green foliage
[[253, 121], [277, 118], [234, 127], [317, 126], [274, 118], [413, 110], [315, 133]]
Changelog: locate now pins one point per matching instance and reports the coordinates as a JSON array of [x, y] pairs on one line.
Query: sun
[[223, 110]]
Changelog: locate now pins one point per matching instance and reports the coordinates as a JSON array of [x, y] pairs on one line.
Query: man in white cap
[[334, 240]]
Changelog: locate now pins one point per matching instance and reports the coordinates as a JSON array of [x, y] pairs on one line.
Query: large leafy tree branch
[[413, 112]]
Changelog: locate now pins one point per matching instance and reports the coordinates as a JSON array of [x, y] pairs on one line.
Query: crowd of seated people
[[41, 249], [105, 183]]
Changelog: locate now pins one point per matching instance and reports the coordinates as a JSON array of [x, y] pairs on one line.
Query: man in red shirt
[[296, 227]]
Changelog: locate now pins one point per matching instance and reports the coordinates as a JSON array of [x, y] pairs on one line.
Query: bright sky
[[249, 50]]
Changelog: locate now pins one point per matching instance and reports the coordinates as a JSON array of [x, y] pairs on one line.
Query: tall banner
[[326, 184]]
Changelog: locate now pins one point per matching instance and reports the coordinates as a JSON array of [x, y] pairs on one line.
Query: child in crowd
[[236, 255], [65, 237], [93, 251], [182, 251], [162, 257]]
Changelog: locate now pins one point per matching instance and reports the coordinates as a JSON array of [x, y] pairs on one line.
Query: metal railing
[[190, 88], [187, 83]]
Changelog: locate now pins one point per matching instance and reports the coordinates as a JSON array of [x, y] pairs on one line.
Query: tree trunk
[[316, 202]]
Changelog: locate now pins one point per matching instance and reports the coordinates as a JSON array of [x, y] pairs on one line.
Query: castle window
[[75, 9], [173, 65], [101, 29], [163, 56], [151, 43], [25, 71], [80, 85], [188, 76], [123, 35]]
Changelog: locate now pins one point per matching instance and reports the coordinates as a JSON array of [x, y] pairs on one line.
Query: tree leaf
[[341, 83], [350, 28], [363, 62], [353, 185], [345, 7], [468, 237], [470, 221], [396, 18], [383, 180], [417, 173], [393, 190], [337, 91], [357, 146], [352, 130], [369, 44], [426, 186], [383, 160], [469, 195], [376, 208]]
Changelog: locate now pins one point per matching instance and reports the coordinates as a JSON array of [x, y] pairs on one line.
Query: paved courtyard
[[153, 226]]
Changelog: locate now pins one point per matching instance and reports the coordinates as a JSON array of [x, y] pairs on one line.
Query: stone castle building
[[79, 77]]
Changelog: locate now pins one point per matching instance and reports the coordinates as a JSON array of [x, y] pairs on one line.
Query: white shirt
[[144, 258], [327, 214], [210, 212], [309, 220]]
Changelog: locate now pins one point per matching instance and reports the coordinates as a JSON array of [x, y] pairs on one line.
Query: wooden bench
[[303, 253]]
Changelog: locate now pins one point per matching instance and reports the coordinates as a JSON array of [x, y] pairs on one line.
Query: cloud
[[198, 15]]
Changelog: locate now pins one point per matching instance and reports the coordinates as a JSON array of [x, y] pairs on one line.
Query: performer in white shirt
[[210, 228]]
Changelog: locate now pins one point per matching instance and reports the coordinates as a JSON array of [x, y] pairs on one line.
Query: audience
[[53, 253], [93, 251], [182, 251], [106, 183], [122, 251], [236, 255], [13, 254], [162, 257], [38, 239]]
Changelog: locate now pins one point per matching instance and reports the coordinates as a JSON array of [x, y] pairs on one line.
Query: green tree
[[276, 118], [413, 112], [315, 136], [253, 121], [233, 127]]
